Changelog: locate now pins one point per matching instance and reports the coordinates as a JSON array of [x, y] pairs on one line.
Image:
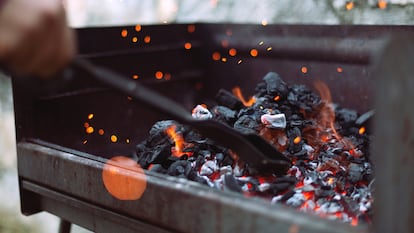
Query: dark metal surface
[[68, 183], [168, 203], [393, 150]]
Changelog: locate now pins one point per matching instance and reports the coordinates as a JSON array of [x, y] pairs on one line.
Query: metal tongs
[[252, 149]]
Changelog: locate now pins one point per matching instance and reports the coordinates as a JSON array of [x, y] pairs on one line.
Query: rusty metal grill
[[61, 174]]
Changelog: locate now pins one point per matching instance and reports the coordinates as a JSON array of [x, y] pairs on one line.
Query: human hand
[[34, 37]]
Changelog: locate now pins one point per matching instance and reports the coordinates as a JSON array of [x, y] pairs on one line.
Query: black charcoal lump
[[275, 86]]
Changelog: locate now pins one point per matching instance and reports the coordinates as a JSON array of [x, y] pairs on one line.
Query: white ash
[[274, 121], [201, 113]]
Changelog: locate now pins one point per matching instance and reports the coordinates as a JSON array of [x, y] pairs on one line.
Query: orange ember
[[90, 116], [297, 140], [232, 52], [216, 56], [187, 45], [135, 76], [123, 178], [362, 130], [134, 39], [304, 69], [138, 28], [114, 138], [90, 130], [159, 75], [238, 93], [276, 98], [86, 125], [147, 39], [191, 28], [124, 33], [178, 140], [225, 43], [254, 52], [101, 132]]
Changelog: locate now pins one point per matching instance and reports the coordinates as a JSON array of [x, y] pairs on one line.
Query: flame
[[238, 93], [178, 139], [326, 117]]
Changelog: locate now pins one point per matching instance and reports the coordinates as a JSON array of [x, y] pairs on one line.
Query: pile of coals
[[331, 173]]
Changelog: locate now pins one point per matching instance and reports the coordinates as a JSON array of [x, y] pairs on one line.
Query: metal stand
[[64, 226]]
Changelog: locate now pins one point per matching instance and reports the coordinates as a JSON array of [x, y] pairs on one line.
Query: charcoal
[[225, 114], [354, 172], [346, 117], [275, 86], [219, 157], [231, 183], [205, 153], [158, 168], [296, 200], [157, 154], [247, 124], [201, 112], [180, 168], [208, 168], [227, 99], [157, 134], [279, 187], [286, 179], [287, 195], [364, 118]]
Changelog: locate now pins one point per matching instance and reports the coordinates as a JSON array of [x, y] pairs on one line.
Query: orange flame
[[238, 93], [327, 114], [178, 139]]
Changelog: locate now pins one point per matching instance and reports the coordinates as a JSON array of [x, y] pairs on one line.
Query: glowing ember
[[361, 130], [304, 69], [138, 28], [239, 62], [187, 45], [114, 138], [232, 52], [101, 132], [269, 49], [147, 39], [224, 59], [89, 130], [238, 93], [134, 39], [225, 43], [124, 33], [296, 140], [90, 116], [159, 75], [276, 98], [191, 28], [135, 76], [178, 140], [254, 52], [167, 76], [216, 56]]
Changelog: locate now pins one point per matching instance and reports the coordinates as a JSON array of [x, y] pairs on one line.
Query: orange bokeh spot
[[159, 75], [134, 39], [124, 33], [90, 130], [304, 69], [123, 178], [191, 28], [264, 22], [225, 43], [114, 138], [90, 116], [138, 28], [232, 52], [276, 98], [86, 125], [147, 39], [187, 45], [135, 76], [349, 6], [167, 76], [216, 56], [254, 52], [339, 69], [382, 4], [101, 132]]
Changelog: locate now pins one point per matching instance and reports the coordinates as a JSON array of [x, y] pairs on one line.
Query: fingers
[[34, 37]]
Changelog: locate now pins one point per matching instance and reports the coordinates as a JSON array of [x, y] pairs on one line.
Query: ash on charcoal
[[331, 173]]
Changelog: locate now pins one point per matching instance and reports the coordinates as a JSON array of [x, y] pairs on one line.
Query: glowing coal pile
[[331, 173]]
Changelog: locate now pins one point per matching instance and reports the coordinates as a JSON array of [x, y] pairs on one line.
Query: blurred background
[[96, 13]]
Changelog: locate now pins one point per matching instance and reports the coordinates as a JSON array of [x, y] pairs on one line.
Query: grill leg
[[64, 226]]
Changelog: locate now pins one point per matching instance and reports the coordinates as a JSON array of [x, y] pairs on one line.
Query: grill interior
[[50, 116]]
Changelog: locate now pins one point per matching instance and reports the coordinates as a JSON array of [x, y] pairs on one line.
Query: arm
[[34, 36]]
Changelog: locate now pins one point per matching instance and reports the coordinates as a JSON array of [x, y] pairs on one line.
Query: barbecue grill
[[60, 166]]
